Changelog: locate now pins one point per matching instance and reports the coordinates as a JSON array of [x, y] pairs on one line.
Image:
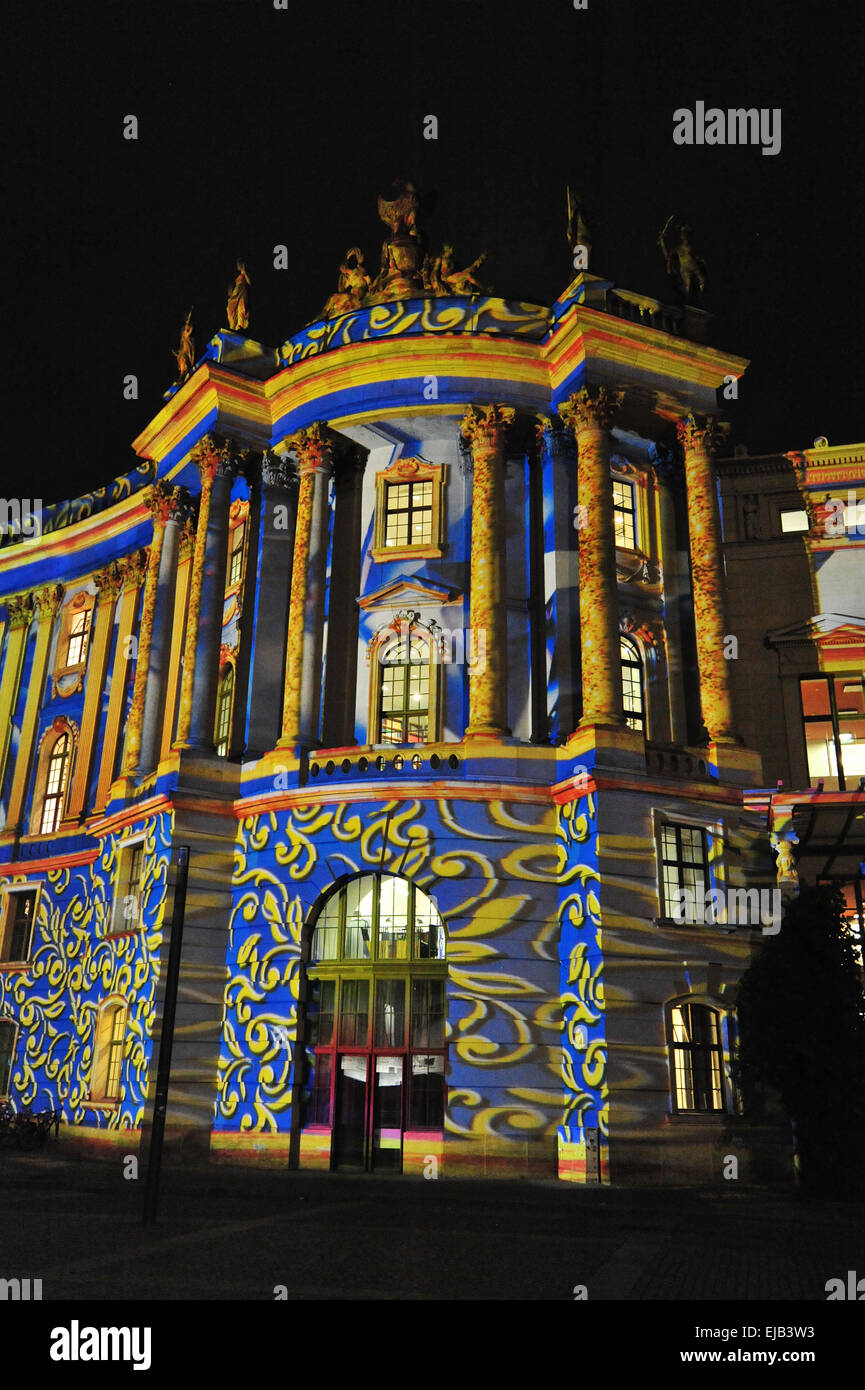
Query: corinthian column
[[707, 576], [484, 429], [302, 695], [19, 608], [160, 500], [46, 605], [272, 508], [590, 413], [108, 585], [216, 465], [172, 510]]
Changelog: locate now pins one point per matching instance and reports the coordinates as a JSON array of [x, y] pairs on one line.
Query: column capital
[[702, 432], [164, 502], [274, 471], [19, 609], [484, 427], [47, 601], [215, 456], [132, 569], [552, 435], [109, 583], [311, 448], [591, 408]]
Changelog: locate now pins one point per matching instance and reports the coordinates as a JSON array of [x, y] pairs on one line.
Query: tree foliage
[[801, 1015]]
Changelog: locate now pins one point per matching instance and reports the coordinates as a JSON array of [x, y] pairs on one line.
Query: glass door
[[350, 1119], [387, 1122]]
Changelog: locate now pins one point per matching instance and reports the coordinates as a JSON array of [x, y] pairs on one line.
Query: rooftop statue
[[578, 229], [238, 300], [400, 276], [185, 354], [684, 267], [351, 287], [446, 279]]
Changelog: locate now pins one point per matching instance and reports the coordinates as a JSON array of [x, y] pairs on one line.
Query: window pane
[[427, 1013], [7, 1043], [850, 704], [359, 902], [820, 747], [320, 1013], [319, 1106], [429, 935], [815, 697], [354, 1013], [393, 926], [390, 1013], [426, 1109], [22, 908]]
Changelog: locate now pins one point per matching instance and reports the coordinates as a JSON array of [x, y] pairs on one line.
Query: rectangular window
[[426, 1106], [8, 1033], [235, 559], [684, 866], [833, 717], [319, 1106], [427, 1013], [79, 632], [624, 514], [408, 518], [794, 519], [697, 1058], [19, 916], [390, 1013], [354, 1013], [115, 1054], [126, 915], [393, 922]]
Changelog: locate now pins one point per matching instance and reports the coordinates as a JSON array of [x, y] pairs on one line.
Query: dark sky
[[260, 126]]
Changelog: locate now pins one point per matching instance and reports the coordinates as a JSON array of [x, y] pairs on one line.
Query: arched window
[[56, 773], [224, 708], [376, 1019], [8, 1035], [108, 1051], [404, 689], [632, 685], [697, 1058]]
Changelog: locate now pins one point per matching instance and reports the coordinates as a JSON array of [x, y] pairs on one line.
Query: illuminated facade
[[395, 627]]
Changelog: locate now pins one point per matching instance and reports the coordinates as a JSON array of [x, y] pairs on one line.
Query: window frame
[[706, 833], [126, 850], [7, 924], [674, 1049], [228, 678], [6, 1084], [68, 676], [409, 471], [626, 511], [636, 663], [829, 678], [105, 1046], [51, 736], [392, 635]]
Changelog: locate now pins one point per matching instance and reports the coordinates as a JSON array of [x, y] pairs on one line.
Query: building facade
[[414, 633]]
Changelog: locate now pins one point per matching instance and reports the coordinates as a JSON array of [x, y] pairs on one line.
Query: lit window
[[108, 1052], [697, 1055], [794, 519], [55, 784], [224, 706], [376, 1019], [404, 692], [79, 632], [235, 559], [408, 516], [19, 915], [8, 1034], [684, 871], [833, 716], [624, 514], [632, 685]]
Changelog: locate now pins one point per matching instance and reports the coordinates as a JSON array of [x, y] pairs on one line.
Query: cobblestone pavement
[[231, 1234]]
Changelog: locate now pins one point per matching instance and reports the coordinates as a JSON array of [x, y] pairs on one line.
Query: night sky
[[260, 126]]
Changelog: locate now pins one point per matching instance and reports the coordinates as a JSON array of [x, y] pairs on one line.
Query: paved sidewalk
[[231, 1234]]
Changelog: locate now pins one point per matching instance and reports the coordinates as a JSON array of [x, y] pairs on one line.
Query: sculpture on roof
[[446, 279], [185, 354], [400, 276], [351, 287], [578, 229], [684, 266], [238, 300]]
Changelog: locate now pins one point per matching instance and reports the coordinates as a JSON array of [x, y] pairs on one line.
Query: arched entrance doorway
[[376, 1019]]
